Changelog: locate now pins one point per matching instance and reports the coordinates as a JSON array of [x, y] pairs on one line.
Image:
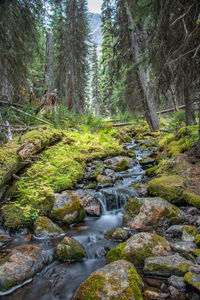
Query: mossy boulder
[[138, 247], [169, 188], [142, 212], [119, 163], [167, 266], [44, 227], [69, 250], [118, 280], [172, 189], [193, 280], [72, 212], [22, 263], [117, 234]]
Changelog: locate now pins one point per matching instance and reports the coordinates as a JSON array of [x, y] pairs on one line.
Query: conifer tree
[[95, 80]]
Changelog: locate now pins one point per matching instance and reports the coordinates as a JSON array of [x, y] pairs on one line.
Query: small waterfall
[[114, 198]]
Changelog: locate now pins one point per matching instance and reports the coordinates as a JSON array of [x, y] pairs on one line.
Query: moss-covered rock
[[141, 212], [72, 212], [167, 265], [117, 234], [138, 247], [22, 263], [119, 163], [69, 250], [172, 189], [102, 179], [193, 280], [118, 280], [174, 145], [44, 227]]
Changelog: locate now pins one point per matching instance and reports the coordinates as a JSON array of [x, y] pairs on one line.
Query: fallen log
[[112, 120], [27, 114], [16, 154], [123, 124]]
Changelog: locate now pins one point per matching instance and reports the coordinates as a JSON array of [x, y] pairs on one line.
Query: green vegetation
[[58, 168]]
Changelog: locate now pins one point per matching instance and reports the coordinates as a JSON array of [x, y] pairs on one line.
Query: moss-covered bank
[[58, 168]]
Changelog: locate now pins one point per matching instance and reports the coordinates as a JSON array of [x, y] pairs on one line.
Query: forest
[[99, 150]]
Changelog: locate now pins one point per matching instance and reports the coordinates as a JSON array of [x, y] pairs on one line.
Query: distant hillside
[[95, 27]]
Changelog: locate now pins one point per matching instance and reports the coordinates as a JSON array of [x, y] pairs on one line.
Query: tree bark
[[49, 67], [144, 77]]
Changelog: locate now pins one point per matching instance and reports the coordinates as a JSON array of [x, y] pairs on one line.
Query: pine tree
[[19, 42], [95, 80]]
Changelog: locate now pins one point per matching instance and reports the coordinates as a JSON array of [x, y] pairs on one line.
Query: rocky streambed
[[106, 239]]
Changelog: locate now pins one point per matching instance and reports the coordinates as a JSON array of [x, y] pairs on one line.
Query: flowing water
[[60, 280]]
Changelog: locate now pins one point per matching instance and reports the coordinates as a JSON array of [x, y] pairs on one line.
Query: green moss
[[69, 250], [191, 230], [95, 283], [183, 141], [61, 214], [135, 284], [197, 252], [151, 171], [169, 188], [90, 186], [176, 220], [122, 165], [59, 168], [136, 256], [190, 278], [184, 266], [197, 240], [165, 141], [132, 207], [45, 224], [192, 199]]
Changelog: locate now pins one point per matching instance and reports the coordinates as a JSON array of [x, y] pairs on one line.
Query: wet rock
[[44, 227], [192, 211], [119, 163], [185, 232], [118, 280], [138, 247], [71, 212], [193, 280], [4, 239], [104, 180], [155, 296], [140, 212], [22, 263], [177, 282], [140, 188], [60, 200], [69, 250], [186, 248], [148, 162], [117, 234], [91, 205], [166, 265], [109, 172], [176, 294]]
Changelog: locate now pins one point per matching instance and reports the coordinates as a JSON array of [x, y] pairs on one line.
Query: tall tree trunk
[[49, 66], [144, 77]]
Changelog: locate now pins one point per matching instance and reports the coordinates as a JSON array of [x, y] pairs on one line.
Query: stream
[[61, 280]]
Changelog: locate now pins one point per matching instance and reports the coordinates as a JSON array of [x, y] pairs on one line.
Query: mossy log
[[17, 154]]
